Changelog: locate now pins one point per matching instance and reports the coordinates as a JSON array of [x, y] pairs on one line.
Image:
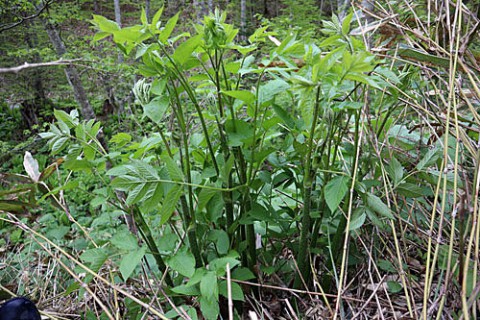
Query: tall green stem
[[189, 211], [303, 251], [186, 85]]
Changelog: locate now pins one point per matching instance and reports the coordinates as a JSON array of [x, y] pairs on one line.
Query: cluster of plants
[[245, 167]]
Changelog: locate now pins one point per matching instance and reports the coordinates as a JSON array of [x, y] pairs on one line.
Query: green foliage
[[232, 161]]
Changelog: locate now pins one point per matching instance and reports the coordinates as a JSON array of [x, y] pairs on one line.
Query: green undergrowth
[[298, 165]]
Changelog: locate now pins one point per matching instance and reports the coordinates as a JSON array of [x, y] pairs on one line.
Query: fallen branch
[[27, 65]]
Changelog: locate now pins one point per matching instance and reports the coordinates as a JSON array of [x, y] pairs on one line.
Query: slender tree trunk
[[243, 20], [31, 39], [199, 7], [147, 9], [210, 5], [118, 20], [118, 15], [343, 6], [71, 72], [30, 109]]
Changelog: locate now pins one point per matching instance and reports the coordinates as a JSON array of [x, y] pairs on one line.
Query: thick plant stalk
[[152, 246], [303, 251], [189, 212]]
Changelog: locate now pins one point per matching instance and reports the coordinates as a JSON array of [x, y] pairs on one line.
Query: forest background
[[240, 159]]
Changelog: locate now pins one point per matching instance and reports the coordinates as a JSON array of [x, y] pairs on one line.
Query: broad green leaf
[[197, 276], [209, 286], [156, 19], [283, 114], [335, 191], [386, 265], [125, 240], [62, 116], [155, 198], [205, 195], [395, 170], [358, 218], [210, 308], [185, 50], [239, 132], [169, 26], [183, 262], [363, 78], [171, 200], [131, 261], [430, 157], [377, 205], [129, 36], [95, 257], [187, 290], [348, 105], [181, 311], [227, 168], [158, 86], [394, 286], [138, 178], [156, 108], [374, 218], [236, 293], [173, 169], [219, 265], [268, 91], [100, 35], [245, 96], [388, 74], [47, 135], [143, 17], [104, 24], [410, 190], [346, 23], [121, 139], [58, 233], [59, 144], [257, 213], [419, 56], [242, 274], [260, 34], [141, 50], [220, 238], [140, 191]]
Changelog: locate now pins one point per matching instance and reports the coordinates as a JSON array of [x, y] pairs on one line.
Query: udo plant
[[247, 152]]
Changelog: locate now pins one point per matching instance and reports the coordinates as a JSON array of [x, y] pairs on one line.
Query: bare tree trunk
[[96, 8], [147, 9], [199, 7], [118, 20], [118, 15], [243, 20], [343, 6], [210, 5], [71, 72]]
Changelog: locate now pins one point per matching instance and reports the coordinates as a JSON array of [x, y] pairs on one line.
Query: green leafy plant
[[213, 166]]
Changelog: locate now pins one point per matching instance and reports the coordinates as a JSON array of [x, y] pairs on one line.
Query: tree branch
[[27, 65], [8, 26]]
